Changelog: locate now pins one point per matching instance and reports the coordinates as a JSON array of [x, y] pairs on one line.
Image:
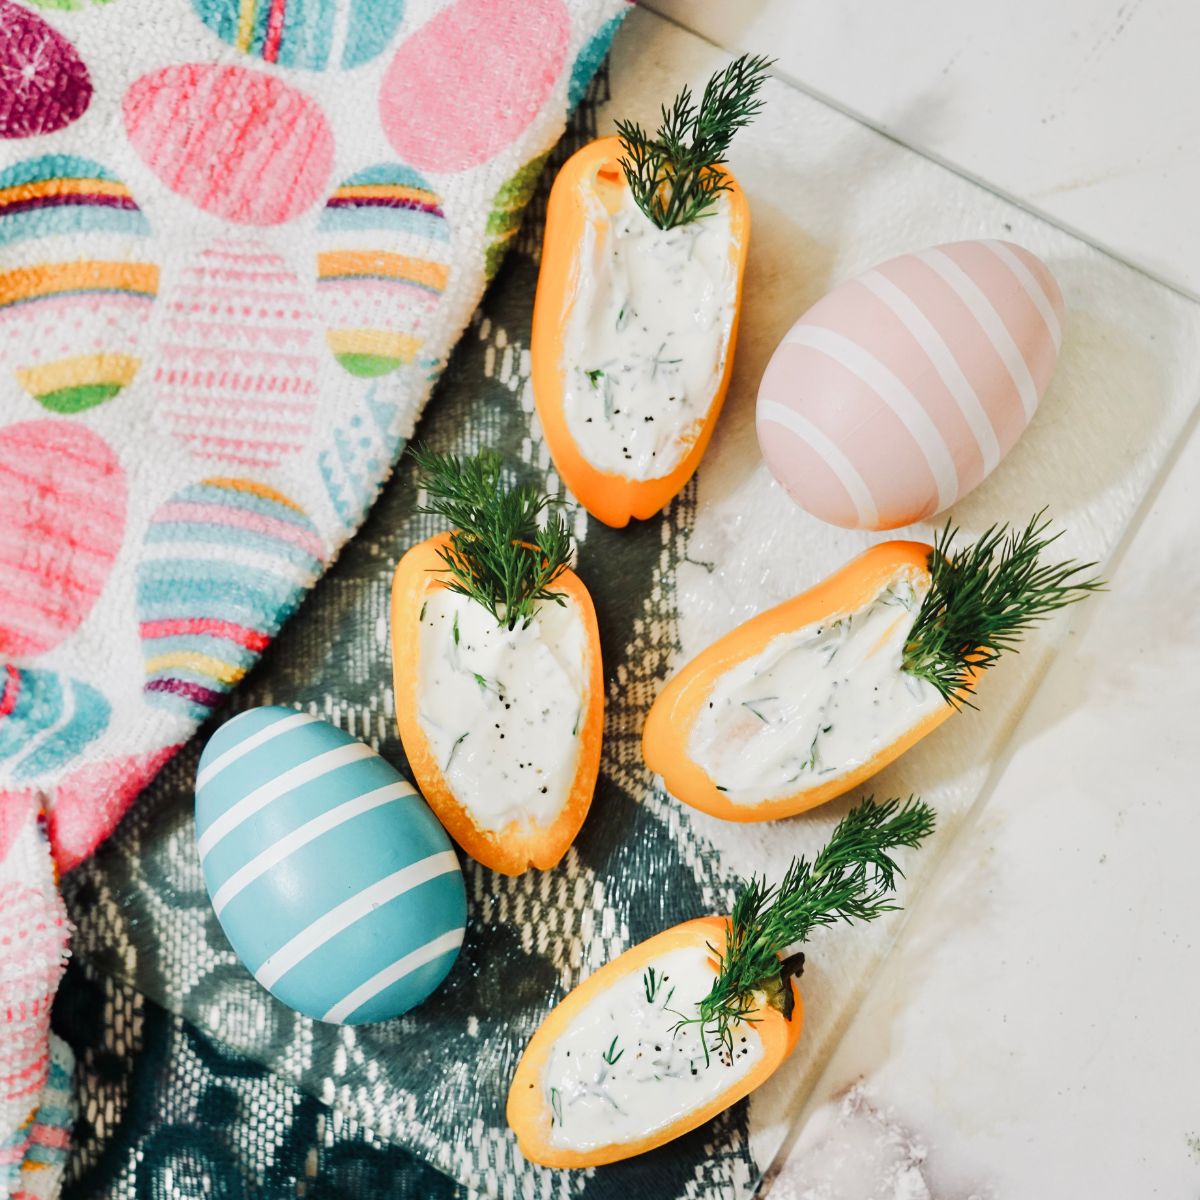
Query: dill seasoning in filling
[[625, 1067], [501, 707], [817, 702], [647, 335]]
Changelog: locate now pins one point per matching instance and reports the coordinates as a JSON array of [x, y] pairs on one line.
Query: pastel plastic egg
[[304, 33], [382, 266], [239, 144], [334, 882], [62, 520], [224, 564], [77, 288], [239, 357], [44, 84], [469, 81], [901, 390]]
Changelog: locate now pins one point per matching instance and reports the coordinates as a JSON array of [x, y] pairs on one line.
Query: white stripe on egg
[[286, 846], [393, 974], [253, 742], [894, 393], [1033, 289], [829, 452], [990, 321], [939, 354], [297, 777], [343, 915]]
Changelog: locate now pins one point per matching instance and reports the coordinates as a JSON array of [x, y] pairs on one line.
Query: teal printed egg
[[310, 34], [334, 882]]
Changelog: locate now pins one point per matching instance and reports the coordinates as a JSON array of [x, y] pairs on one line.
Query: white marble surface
[[1084, 110], [1033, 1032]]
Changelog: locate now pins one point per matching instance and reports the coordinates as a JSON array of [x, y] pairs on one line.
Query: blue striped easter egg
[[333, 880]]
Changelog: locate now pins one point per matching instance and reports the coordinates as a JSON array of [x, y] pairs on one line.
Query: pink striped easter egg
[[237, 143], [61, 525], [239, 357], [901, 390], [467, 83]]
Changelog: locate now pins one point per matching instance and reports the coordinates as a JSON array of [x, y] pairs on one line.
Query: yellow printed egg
[[383, 264], [901, 390], [329, 874], [75, 287]]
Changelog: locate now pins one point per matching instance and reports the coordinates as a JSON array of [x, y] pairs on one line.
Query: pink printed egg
[[239, 144], [901, 390], [468, 82], [62, 521], [239, 357]]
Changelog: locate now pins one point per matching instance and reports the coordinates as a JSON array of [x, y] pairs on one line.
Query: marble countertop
[[1032, 1032]]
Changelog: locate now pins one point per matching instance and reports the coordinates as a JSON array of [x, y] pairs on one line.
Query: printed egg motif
[[469, 81], [225, 562], [77, 288], [44, 84], [508, 207], [382, 267], [901, 390], [334, 882], [239, 144], [239, 357], [62, 521], [46, 721], [309, 34]]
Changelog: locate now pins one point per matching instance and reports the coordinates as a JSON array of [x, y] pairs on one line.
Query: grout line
[[860, 118]]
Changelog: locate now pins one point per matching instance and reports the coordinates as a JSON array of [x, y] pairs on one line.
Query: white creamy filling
[[816, 702], [647, 336], [503, 709], [621, 1071]]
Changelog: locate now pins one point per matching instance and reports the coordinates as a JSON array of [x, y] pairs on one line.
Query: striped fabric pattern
[[382, 267], [61, 193], [237, 377], [44, 299], [225, 561], [901, 390], [332, 879], [46, 719], [309, 34]]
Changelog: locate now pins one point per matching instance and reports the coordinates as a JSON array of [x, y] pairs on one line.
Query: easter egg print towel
[[238, 240]]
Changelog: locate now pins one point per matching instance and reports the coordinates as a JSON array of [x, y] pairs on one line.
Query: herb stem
[[983, 598]]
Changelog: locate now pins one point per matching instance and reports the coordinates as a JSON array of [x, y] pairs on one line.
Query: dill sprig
[[982, 598], [673, 175], [852, 879], [508, 545]]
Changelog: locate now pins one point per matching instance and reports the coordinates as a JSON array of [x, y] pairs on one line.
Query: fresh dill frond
[[508, 544], [852, 879], [673, 175], [983, 597]]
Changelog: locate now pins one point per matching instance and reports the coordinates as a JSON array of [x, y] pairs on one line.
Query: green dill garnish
[[673, 175], [611, 1058], [424, 606], [594, 377], [852, 879], [454, 629], [485, 684], [983, 598], [750, 704], [555, 1107], [454, 749], [508, 545], [651, 982]]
